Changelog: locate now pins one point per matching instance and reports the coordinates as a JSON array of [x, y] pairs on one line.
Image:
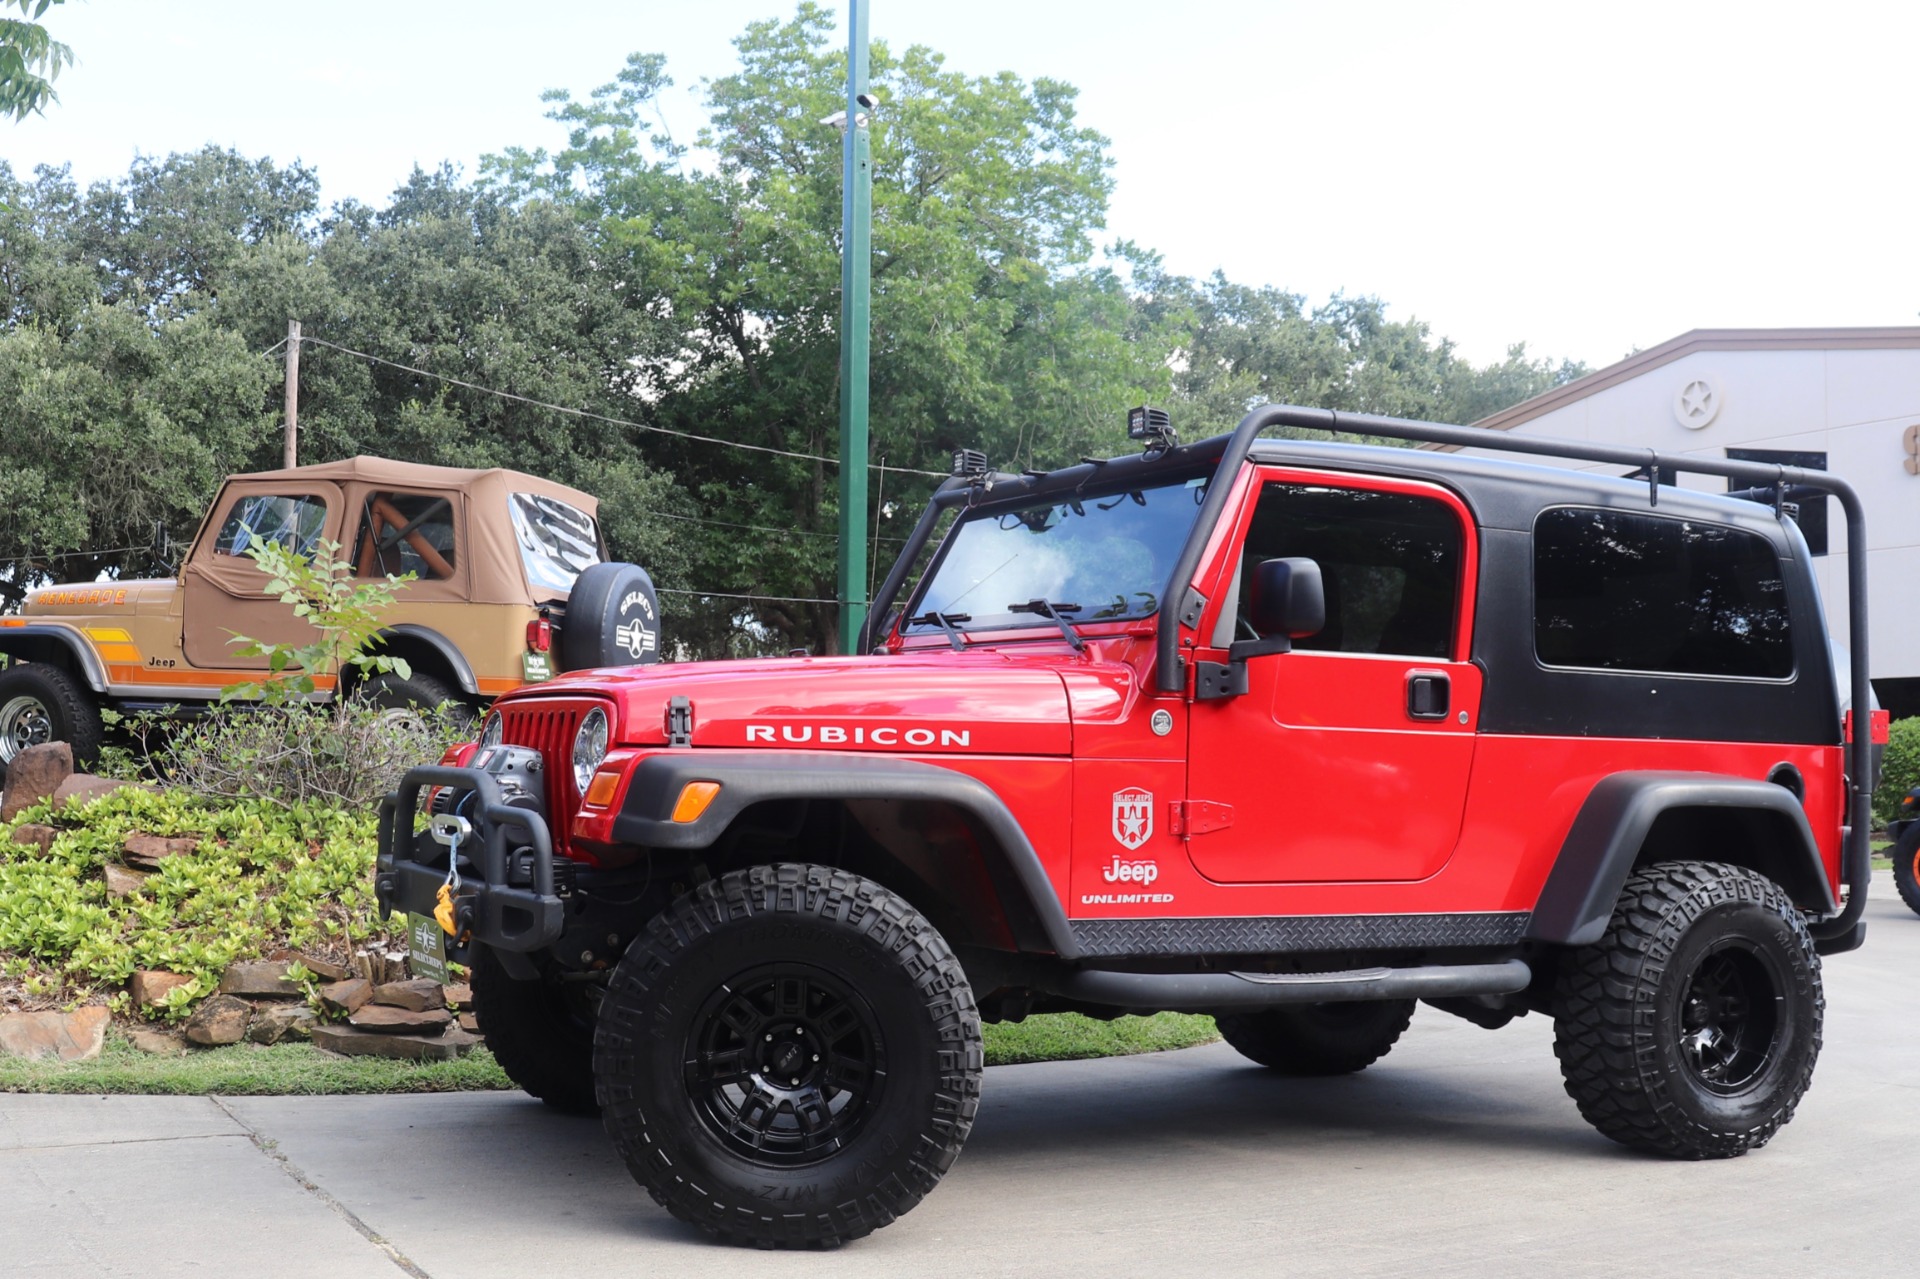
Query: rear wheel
[[789, 1057], [416, 697], [1906, 867], [41, 703], [542, 1039], [1318, 1039], [1691, 1028]]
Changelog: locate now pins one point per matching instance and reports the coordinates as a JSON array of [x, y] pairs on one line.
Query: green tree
[[30, 59], [988, 329]]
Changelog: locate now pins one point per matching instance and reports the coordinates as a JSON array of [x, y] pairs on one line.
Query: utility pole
[[856, 227], [290, 453]]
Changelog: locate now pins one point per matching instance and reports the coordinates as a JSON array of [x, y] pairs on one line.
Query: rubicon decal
[[883, 735], [1132, 816]]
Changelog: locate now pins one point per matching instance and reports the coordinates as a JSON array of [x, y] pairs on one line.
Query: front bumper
[[506, 897]]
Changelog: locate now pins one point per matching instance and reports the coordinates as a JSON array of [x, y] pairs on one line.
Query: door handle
[[1429, 694]]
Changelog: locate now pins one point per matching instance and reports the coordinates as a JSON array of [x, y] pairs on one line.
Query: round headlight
[[589, 748], [492, 731]]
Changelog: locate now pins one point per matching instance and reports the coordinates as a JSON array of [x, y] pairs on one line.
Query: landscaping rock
[[148, 851], [122, 882], [325, 970], [347, 996], [149, 984], [459, 994], [85, 787], [35, 774], [419, 994], [283, 1021], [220, 1020], [401, 1021], [34, 833], [259, 979], [75, 1036], [360, 1043], [161, 1043], [468, 1022]]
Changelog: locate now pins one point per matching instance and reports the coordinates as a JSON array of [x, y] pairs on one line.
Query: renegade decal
[[1132, 817], [91, 595], [858, 735]]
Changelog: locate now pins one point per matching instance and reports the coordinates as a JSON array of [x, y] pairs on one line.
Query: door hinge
[[679, 722], [1189, 817]]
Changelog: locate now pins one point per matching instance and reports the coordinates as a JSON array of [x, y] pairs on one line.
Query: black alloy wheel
[[785, 1064], [789, 1056], [1692, 1027]]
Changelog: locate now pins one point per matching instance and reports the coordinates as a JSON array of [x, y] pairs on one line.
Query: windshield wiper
[[945, 621], [1053, 611]]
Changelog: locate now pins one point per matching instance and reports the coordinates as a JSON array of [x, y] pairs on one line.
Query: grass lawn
[[251, 1070]]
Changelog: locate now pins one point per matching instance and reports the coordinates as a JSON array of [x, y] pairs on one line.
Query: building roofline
[[1696, 340]]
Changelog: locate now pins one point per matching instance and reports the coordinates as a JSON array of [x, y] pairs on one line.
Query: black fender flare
[[1613, 824], [440, 644], [751, 777], [85, 660]]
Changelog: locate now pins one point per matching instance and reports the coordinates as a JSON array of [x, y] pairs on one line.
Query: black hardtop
[[1509, 495]]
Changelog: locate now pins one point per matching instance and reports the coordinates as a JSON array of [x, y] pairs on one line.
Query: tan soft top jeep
[[497, 557]]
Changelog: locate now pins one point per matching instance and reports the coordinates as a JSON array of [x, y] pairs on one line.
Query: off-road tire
[[416, 692], [42, 703], [741, 981], [1318, 1039], [1691, 1028], [542, 1043], [1906, 867]]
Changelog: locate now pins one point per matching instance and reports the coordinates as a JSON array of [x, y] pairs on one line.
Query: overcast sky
[[1587, 178]]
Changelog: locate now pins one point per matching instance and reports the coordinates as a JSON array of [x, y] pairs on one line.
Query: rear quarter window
[[1622, 590]]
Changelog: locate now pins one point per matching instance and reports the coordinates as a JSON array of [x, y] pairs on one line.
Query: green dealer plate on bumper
[[426, 948]]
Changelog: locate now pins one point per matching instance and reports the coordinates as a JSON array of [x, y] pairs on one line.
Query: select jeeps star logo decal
[[1132, 816], [636, 639]]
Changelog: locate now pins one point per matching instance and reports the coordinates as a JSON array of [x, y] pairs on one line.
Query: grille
[[548, 727]]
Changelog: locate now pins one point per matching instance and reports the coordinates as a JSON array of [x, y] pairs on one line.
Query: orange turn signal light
[[694, 798], [600, 789]]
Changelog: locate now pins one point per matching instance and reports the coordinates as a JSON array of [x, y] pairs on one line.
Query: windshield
[[557, 540], [1093, 559]]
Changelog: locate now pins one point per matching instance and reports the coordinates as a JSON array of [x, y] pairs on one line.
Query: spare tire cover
[[613, 619]]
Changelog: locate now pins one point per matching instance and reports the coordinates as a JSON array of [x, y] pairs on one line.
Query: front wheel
[[1906, 867], [41, 703], [1691, 1028], [789, 1057], [539, 1032]]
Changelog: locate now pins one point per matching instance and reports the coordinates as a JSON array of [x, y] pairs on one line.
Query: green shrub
[[1899, 769], [350, 754], [267, 875]]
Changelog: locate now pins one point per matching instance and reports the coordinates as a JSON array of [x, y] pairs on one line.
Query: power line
[[723, 595], [597, 417]]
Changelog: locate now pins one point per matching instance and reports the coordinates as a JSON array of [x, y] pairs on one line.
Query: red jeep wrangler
[[1295, 734]]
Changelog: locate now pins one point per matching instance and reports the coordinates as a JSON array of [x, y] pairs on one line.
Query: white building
[[1844, 400]]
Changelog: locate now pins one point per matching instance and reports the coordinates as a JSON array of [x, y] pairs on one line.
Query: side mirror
[[1287, 601]]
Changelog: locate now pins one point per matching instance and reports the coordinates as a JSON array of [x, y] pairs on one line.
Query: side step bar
[[1224, 992]]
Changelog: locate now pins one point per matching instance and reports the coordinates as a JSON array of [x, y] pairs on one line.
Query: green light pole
[[856, 249]]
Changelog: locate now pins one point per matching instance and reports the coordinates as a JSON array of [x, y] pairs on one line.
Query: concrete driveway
[[1457, 1155]]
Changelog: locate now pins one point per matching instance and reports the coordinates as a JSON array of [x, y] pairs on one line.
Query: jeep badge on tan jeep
[[1297, 734]]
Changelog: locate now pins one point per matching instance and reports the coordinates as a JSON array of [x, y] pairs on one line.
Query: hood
[[138, 595], [953, 703]]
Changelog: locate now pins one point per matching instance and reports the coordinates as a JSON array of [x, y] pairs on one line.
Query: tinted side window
[[1619, 590], [1391, 564], [295, 522], [406, 533]]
